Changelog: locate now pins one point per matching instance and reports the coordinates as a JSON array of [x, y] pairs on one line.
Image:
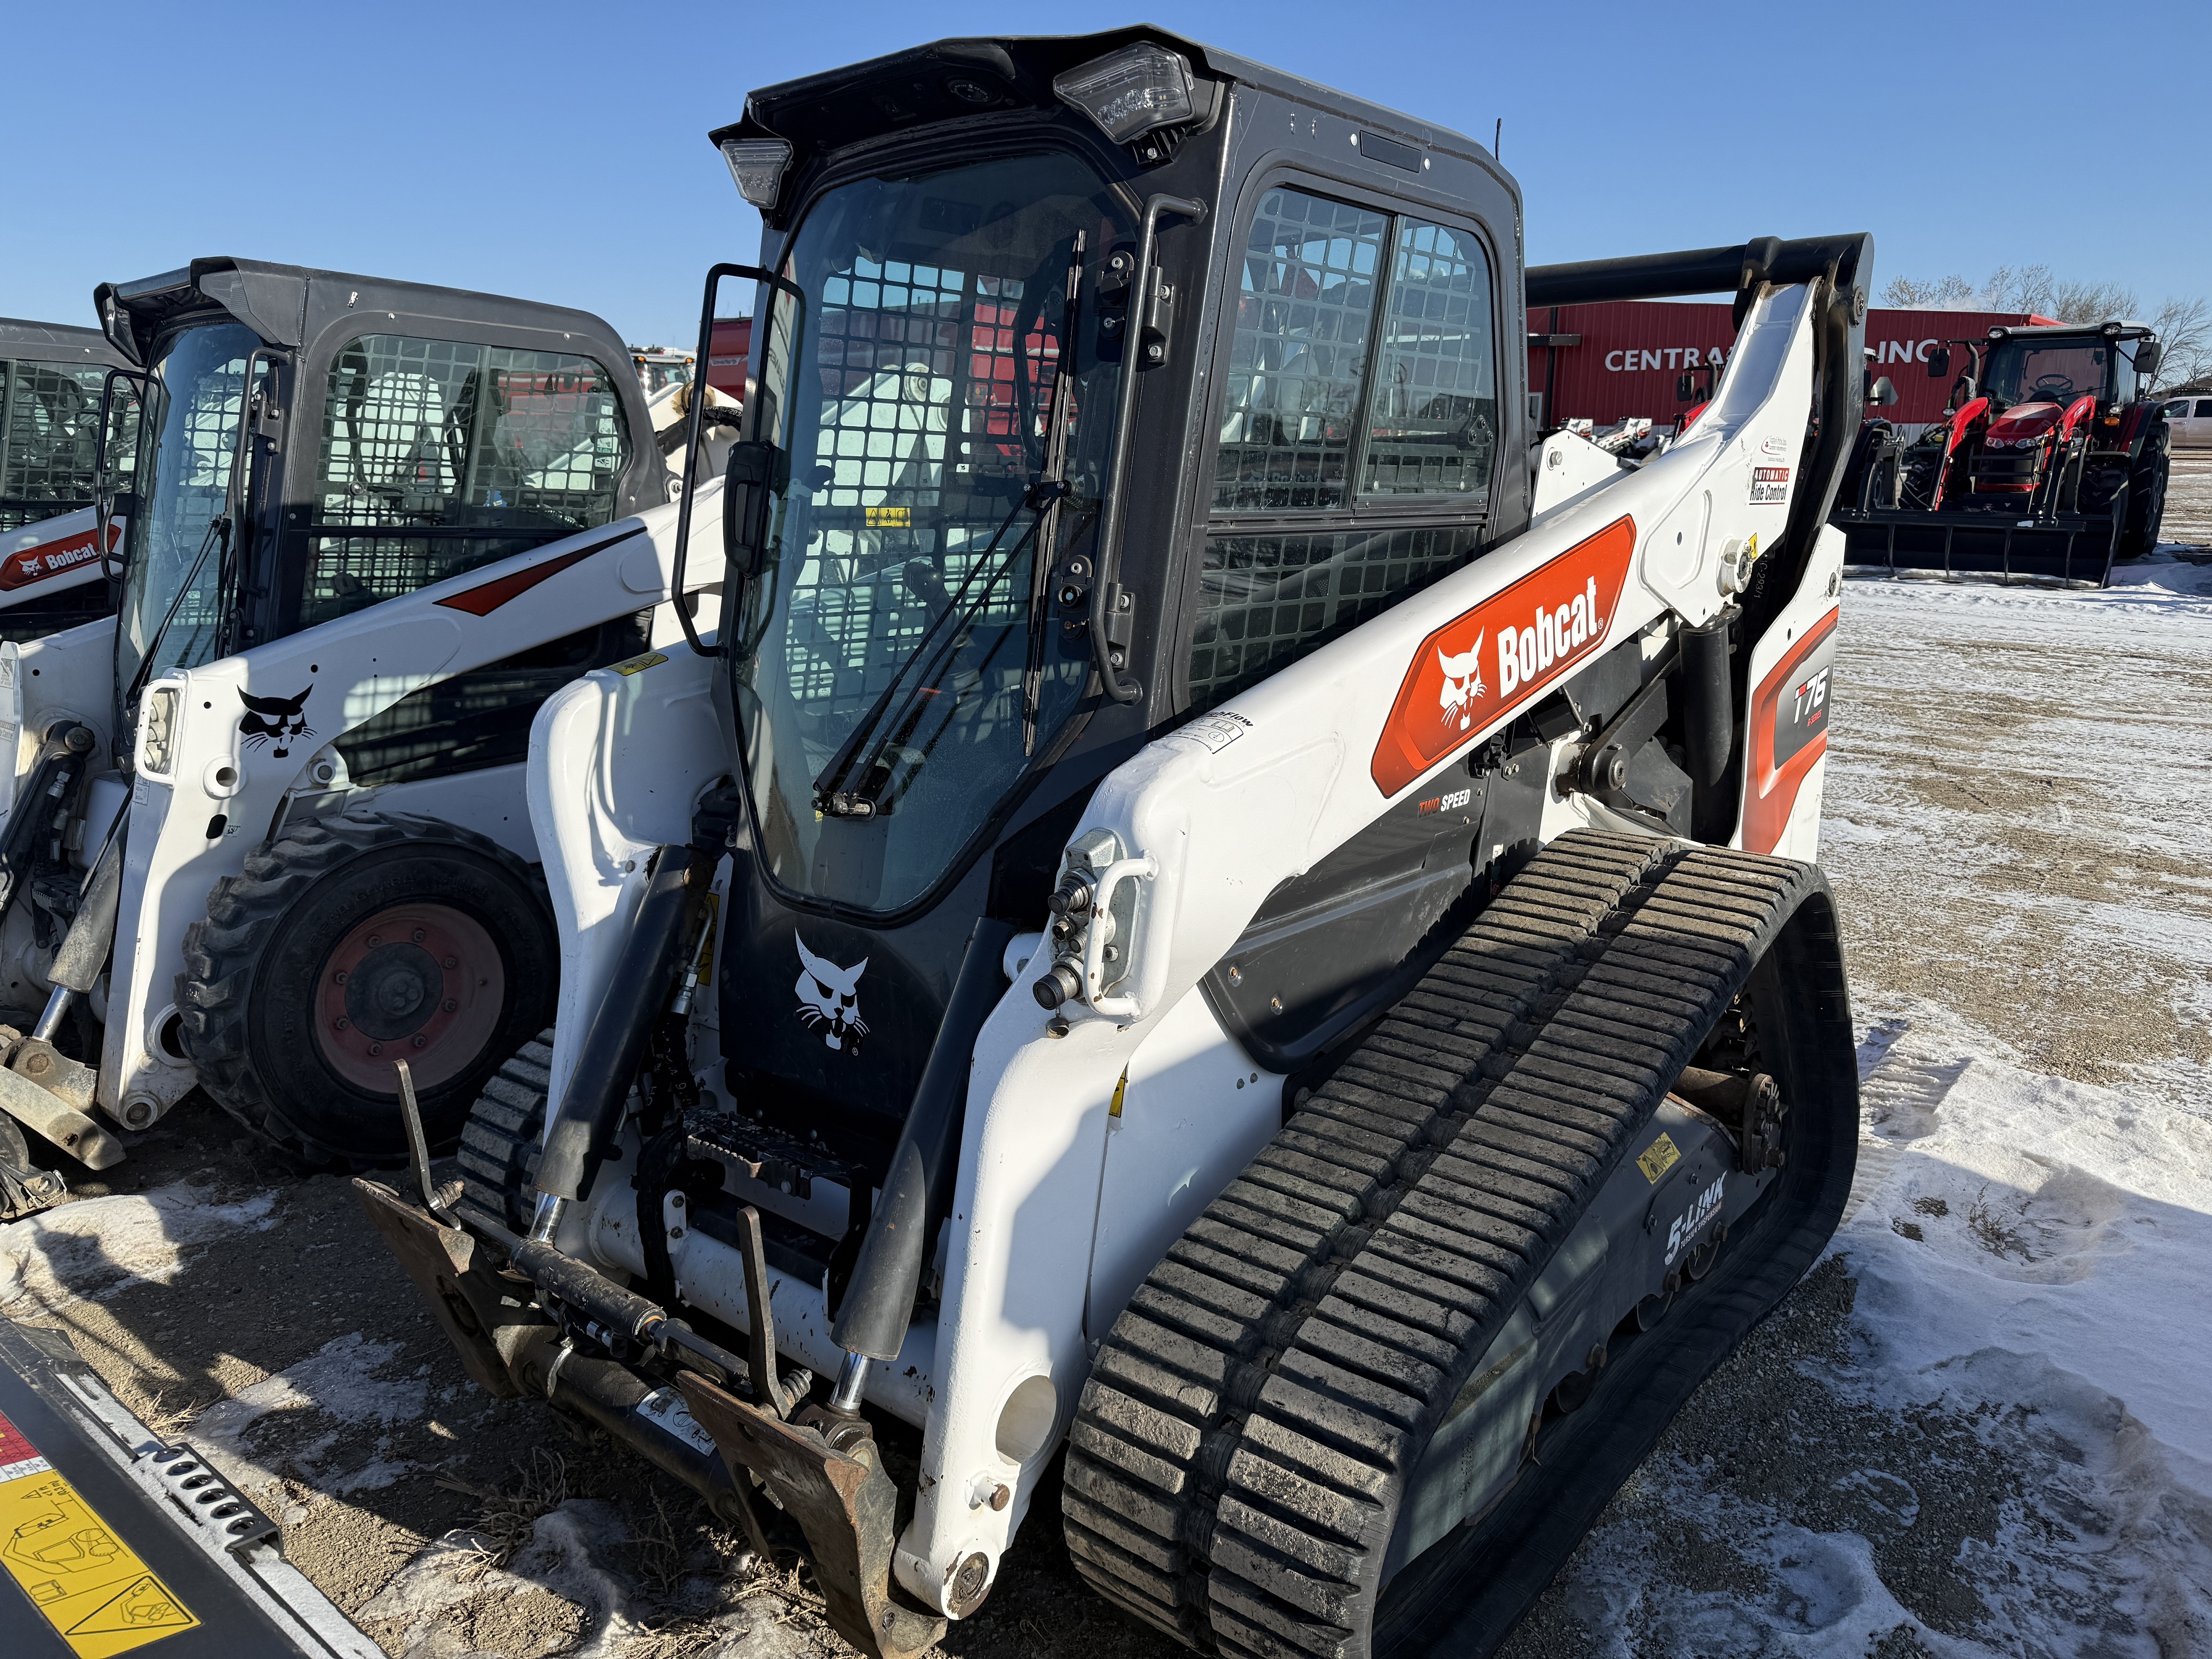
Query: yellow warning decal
[[638, 664], [77, 1572], [890, 518], [1661, 1155]]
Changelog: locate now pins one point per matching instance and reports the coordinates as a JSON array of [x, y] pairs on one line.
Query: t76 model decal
[[1788, 733], [1486, 662]]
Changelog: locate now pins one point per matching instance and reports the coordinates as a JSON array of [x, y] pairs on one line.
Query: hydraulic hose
[[918, 1191]]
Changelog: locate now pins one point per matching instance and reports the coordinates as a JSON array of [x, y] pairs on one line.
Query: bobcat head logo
[[1463, 682], [276, 721], [828, 993]]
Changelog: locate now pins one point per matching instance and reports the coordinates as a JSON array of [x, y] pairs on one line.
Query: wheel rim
[[419, 982]]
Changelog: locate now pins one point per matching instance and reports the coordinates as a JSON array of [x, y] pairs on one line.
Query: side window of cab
[[438, 456], [1358, 425]]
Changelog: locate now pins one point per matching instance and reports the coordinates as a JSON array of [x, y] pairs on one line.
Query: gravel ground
[[2018, 840]]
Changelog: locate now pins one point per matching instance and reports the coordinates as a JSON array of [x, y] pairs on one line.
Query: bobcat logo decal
[[1462, 683], [828, 993], [276, 721]]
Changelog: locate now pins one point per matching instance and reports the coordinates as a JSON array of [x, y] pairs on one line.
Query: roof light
[[1131, 92], [757, 165]]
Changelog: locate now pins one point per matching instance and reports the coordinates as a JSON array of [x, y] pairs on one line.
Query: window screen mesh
[[1298, 354], [1265, 601], [1432, 422], [936, 387], [446, 456], [52, 424]]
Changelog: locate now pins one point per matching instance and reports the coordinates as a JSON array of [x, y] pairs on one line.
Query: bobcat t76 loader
[[370, 526], [1209, 903], [53, 379]]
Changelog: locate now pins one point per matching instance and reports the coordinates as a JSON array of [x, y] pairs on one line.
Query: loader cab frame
[[1294, 406], [315, 442]]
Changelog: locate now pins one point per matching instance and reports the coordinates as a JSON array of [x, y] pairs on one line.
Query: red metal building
[[1608, 362], [727, 357]]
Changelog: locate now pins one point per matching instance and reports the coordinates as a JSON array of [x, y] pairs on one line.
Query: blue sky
[[557, 151]]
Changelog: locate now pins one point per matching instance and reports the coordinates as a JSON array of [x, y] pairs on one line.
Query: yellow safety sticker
[[91, 1587], [890, 518], [638, 664], [1661, 1155]]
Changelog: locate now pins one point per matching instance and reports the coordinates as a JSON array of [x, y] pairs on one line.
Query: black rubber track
[[1237, 1457], [500, 1144]]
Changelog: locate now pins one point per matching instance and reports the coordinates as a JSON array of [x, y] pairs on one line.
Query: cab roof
[[970, 76], [287, 305], [56, 343]]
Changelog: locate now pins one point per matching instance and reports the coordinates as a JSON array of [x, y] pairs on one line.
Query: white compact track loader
[[54, 388], [1214, 917], [370, 526]]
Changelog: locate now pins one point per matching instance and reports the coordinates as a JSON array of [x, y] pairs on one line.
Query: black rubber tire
[[2146, 506], [246, 1000], [500, 1143]]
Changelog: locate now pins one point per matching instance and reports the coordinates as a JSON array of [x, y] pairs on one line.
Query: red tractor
[[2051, 460]]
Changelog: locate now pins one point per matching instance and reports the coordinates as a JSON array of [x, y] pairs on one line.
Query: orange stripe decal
[[1485, 663]]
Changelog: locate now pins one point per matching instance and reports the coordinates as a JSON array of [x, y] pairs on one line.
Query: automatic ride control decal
[[89, 1585], [1789, 734], [1487, 662]]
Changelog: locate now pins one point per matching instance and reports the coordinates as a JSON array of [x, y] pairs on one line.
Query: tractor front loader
[[1212, 907], [371, 526], [2052, 461]]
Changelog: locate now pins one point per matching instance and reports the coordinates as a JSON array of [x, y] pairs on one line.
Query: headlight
[[1130, 91], [161, 730], [757, 165]]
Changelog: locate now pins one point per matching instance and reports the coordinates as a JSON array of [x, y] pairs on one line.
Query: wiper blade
[[831, 797], [218, 530], [1055, 475]]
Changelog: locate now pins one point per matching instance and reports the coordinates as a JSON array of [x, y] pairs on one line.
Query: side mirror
[[1880, 391], [1939, 362], [1685, 387], [2147, 355], [745, 497]]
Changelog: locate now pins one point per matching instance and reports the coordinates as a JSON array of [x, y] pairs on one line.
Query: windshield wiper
[[218, 530], [831, 797], [1054, 473], [1042, 497]]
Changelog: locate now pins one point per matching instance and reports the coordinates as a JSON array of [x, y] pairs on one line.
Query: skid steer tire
[[293, 1005], [1254, 1421], [500, 1143]]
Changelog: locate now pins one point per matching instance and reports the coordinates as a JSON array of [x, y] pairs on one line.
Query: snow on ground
[[1979, 1428], [96, 1247], [339, 1384]]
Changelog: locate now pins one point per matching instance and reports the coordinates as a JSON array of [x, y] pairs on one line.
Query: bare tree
[[1953, 293], [2185, 329]]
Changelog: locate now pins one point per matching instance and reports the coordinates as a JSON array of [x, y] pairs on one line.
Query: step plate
[[113, 1542]]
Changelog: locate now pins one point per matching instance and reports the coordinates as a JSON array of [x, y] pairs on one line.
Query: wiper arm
[[831, 797], [1055, 475], [218, 530]]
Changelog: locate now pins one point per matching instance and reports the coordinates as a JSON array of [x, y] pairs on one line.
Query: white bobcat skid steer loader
[[1240, 919], [54, 388], [374, 524]]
